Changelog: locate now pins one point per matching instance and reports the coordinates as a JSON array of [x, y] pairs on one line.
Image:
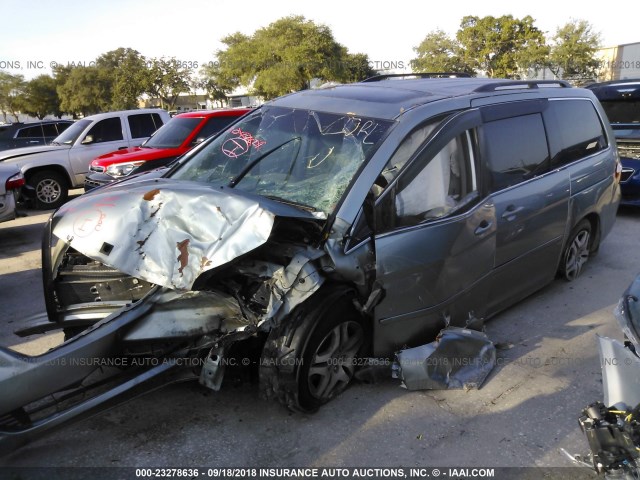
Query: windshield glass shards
[[302, 157]]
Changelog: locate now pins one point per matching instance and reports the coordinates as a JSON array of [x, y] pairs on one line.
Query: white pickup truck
[[54, 169]]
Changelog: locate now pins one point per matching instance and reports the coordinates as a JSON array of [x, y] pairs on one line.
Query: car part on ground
[[458, 358], [612, 427]]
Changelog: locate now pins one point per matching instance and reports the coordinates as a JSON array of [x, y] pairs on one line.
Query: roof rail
[[377, 78], [518, 84]]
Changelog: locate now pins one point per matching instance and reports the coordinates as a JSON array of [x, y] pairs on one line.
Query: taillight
[[16, 181], [618, 173]]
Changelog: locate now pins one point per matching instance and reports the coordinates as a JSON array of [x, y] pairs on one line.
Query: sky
[[38, 34]]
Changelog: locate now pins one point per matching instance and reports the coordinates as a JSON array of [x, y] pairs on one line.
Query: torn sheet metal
[[620, 373], [458, 358], [163, 232]]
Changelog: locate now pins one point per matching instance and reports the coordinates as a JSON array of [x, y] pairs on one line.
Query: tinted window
[[63, 126], [173, 133], [578, 130], [213, 125], [30, 132], [516, 150], [144, 124], [108, 130], [49, 130]]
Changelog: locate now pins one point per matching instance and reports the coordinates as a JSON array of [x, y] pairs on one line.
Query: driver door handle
[[511, 212], [483, 227]]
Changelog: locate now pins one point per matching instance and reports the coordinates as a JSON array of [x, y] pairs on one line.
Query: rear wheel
[[51, 189], [576, 253]]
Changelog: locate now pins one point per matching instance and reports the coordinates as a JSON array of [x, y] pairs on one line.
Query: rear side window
[[109, 130], [30, 132], [144, 124], [577, 132], [515, 149], [213, 125]]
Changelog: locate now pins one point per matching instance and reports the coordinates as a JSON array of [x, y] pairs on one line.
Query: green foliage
[[86, 90], [167, 80], [439, 53], [573, 50], [502, 46], [41, 97], [11, 94], [281, 58], [127, 72], [356, 67]]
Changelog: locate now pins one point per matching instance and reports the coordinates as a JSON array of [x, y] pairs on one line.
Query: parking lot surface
[[524, 414]]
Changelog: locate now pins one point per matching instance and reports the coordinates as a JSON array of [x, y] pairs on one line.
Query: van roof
[[389, 97]]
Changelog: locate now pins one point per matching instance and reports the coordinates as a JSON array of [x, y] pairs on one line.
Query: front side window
[[515, 149], [441, 187], [301, 157], [108, 130]]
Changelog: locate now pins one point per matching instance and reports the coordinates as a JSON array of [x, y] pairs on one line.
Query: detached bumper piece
[[614, 437], [458, 358]]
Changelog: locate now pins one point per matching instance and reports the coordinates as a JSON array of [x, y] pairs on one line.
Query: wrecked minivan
[[326, 226]]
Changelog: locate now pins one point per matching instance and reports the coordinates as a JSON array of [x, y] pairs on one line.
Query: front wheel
[[51, 189], [312, 357], [576, 253]]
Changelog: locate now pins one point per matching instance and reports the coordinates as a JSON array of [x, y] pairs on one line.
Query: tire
[[576, 252], [51, 189], [311, 357]]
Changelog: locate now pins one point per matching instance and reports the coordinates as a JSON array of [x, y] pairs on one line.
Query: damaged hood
[[168, 232]]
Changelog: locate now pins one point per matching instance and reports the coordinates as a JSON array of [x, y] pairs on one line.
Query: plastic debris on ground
[[458, 358]]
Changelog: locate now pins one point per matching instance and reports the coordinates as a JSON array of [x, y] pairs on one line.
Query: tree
[[85, 91], [167, 80], [41, 97], [11, 90], [216, 84], [573, 50], [503, 46], [281, 58], [439, 53], [126, 70], [356, 67]]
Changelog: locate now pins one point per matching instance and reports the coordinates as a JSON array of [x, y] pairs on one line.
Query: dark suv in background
[[621, 102], [16, 135]]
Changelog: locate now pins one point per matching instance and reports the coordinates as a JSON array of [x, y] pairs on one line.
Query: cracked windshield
[[302, 157]]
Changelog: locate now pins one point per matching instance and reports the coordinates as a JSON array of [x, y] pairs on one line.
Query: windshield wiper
[[257, 160], [292, 203], [56, 143]]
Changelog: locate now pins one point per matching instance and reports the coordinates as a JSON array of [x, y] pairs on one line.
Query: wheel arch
[[31, 171]]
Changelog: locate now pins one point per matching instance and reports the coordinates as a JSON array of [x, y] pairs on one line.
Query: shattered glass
[[302, 157]]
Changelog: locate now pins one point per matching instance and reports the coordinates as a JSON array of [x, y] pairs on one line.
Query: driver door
[[435, 240]]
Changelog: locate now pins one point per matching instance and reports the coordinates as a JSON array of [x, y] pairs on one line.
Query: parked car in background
[[178, 136], [621, 101], [54, 169], [17, 135], [11, 181]]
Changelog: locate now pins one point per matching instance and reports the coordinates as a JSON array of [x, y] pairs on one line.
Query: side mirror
[[87, 140]]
